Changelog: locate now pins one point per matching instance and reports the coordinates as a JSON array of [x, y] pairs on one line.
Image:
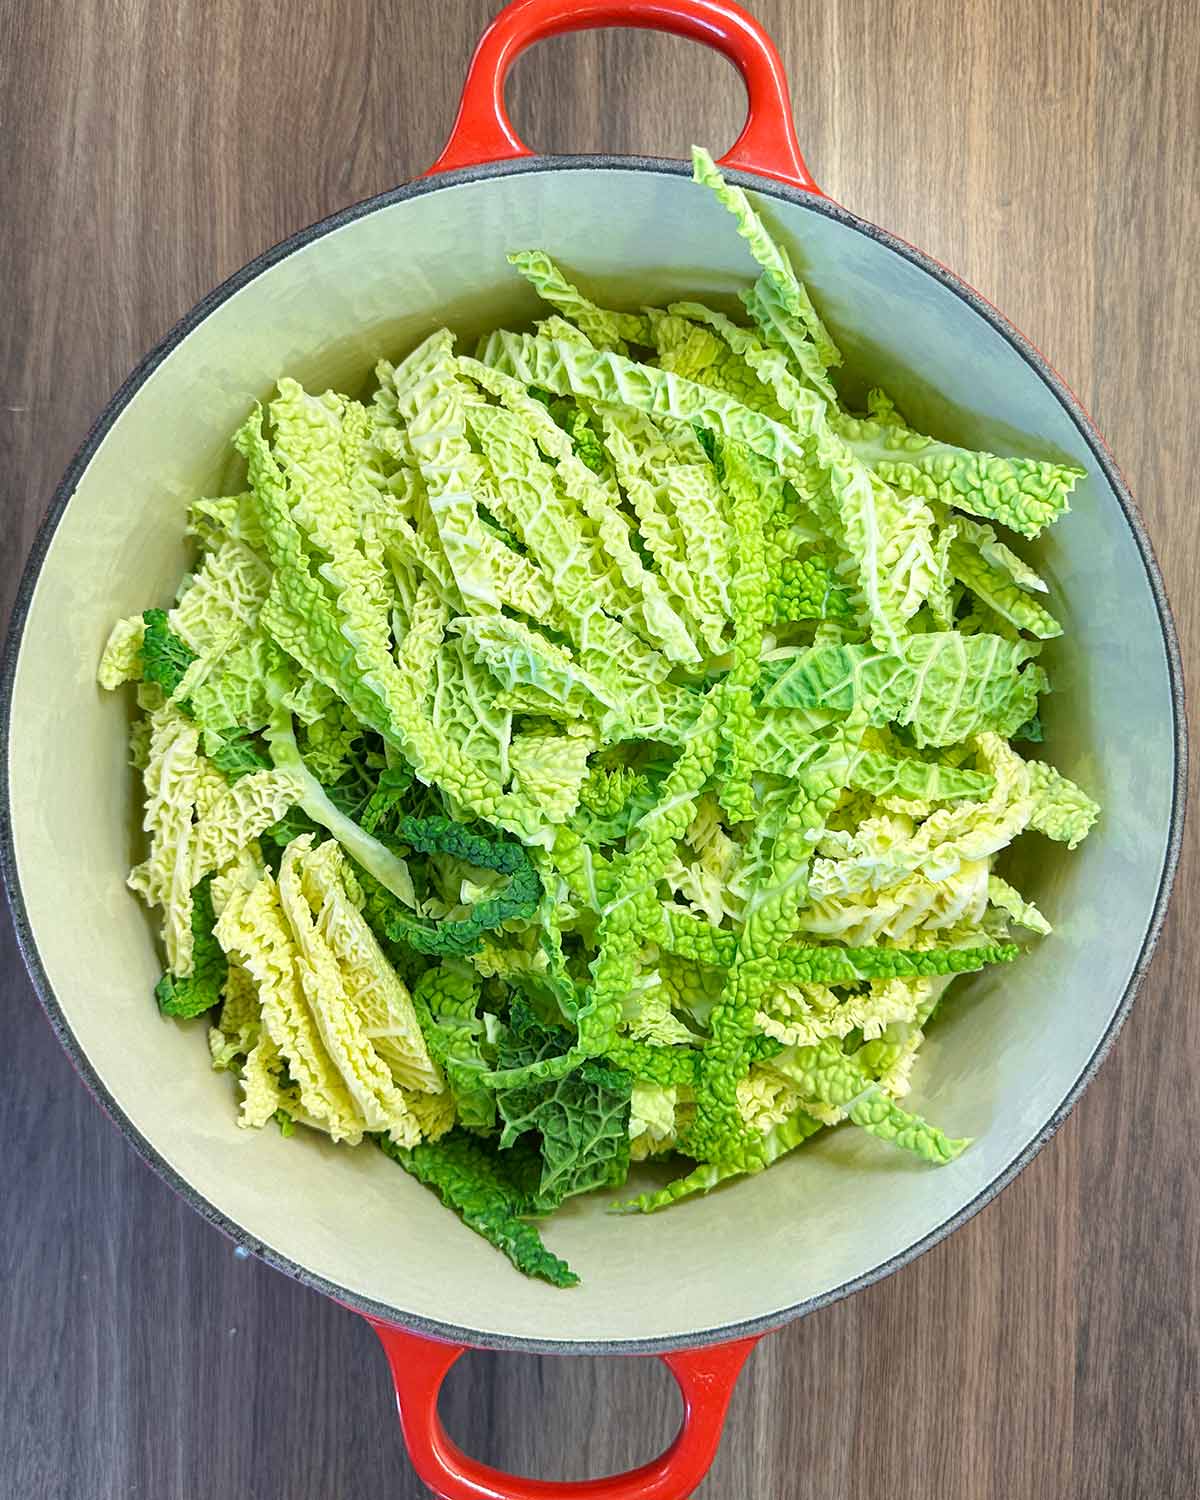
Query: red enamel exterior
[[705, 1378], [767, 146]]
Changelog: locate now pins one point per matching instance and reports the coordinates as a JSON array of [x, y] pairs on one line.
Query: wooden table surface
[[1048, 150]]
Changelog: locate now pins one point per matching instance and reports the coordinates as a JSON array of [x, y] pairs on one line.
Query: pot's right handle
[[419, 1365], [767, 146]]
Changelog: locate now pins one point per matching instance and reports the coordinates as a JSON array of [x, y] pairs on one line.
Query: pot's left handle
[[767, 146], [419, 1365]]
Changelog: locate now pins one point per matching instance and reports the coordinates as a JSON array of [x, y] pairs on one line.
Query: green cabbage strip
[[580, 1121], [486, 1191], [796, 963], [604, 329], [463, 936], [775, 1143], [376, 858], [942, 685], [749, 591], [201, 990], [163, 656], [1024, 494], [446, 999], [778, 279]]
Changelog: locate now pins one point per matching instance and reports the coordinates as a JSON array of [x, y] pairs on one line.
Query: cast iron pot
[[698, 1285]]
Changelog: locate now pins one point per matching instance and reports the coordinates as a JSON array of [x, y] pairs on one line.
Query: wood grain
[[1050, 152]]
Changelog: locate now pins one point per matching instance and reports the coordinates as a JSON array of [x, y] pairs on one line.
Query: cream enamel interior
[[1011, 1045]]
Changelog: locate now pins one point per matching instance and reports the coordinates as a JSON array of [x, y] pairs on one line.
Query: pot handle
[[419, 1365], [767, 146]]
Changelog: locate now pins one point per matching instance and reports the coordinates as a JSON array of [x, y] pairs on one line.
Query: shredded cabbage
[[595, 749]]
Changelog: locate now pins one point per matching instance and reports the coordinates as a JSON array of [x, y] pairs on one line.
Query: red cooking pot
[[699, 1284]]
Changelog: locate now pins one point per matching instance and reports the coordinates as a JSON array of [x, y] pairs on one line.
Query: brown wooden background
[[1046, 149]]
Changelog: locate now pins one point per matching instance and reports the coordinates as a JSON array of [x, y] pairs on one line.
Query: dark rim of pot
[[8, 864]]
